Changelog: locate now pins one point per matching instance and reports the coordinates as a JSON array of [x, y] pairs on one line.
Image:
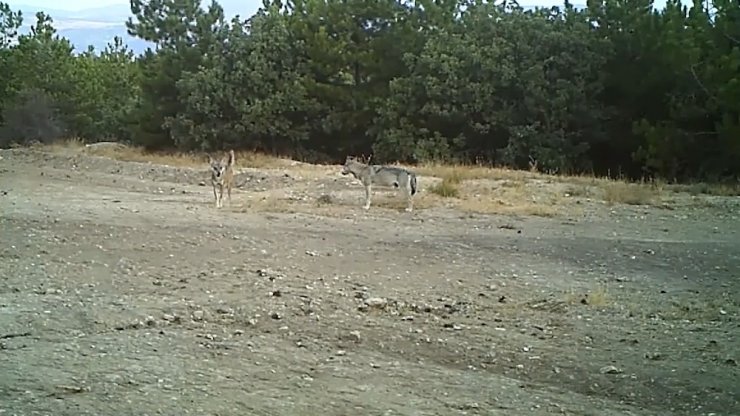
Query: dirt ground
[[125, 291]]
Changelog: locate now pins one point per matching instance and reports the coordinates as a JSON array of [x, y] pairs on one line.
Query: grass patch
[[451, 178], [451, 174], [324, 199], [578, 191], [461, 172], [126, 153], [447, 188], [631, 193], [510, 197], [470, 188], [719, 189], [599, 297]]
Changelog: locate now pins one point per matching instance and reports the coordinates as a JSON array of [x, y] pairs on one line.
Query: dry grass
[[470, 188], [325, 199], [508, 197], [468, 172], [631, 193], [511, 205], [139, 154], [720, 189], [598, 297], [579, 191], [446, 188]]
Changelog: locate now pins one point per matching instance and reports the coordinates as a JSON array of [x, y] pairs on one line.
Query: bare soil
[[125, 291]]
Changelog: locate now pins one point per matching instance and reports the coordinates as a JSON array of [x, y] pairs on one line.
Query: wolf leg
[[407, 192], [368, 191]]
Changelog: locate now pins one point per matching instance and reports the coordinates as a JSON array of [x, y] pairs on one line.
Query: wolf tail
[[232, 157], [412, 182]]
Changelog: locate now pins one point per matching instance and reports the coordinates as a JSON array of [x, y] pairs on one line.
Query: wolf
[[222, 176], [381, 175]]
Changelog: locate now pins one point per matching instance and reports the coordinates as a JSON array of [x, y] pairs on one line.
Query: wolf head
[[352, 163], [347, 167], [219, 166]]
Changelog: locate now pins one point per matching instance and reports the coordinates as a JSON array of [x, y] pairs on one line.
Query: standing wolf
[[222, 175], [380, 175]]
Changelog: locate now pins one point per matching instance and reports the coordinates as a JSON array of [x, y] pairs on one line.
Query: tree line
[[614, 88]]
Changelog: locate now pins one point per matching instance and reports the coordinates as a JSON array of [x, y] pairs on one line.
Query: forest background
[[615, 88]]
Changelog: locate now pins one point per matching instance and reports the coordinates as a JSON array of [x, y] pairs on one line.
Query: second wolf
[[222, 176], [380, 175]]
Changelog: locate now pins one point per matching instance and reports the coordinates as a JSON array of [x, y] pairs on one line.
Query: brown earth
[[125, 291]]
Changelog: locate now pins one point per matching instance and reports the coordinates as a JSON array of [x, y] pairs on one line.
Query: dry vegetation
[[471, 188], [631, 193], [137, 154], [598, 297]]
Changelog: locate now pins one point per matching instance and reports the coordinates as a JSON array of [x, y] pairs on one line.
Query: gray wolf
[[222, 176], [381, 175]]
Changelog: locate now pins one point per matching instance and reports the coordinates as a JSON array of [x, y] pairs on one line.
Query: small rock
[[355, 335], [198, 315], [171, 318], [276, 315], [376, 302], [269, 274], [610, 369]]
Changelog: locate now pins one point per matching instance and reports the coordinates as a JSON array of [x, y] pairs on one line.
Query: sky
[[86, 4], [72, 5]]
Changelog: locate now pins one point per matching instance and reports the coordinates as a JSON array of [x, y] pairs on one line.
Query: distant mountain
[[95, 26], [98, 26]]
